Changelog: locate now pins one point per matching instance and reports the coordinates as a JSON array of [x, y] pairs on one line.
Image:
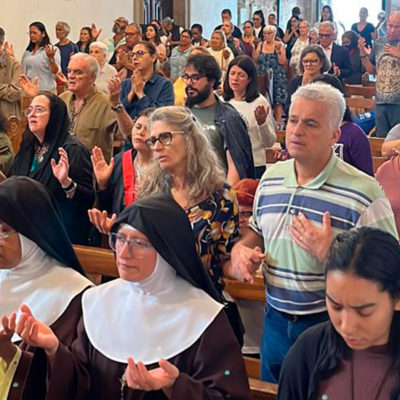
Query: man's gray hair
[[327, 23], [92, 64], [324, 93], [137, 26], [99, 45], [64, 25], [168, 20]]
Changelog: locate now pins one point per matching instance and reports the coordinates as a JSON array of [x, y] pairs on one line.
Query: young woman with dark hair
[[241, 91], [355, 355], [152, 35], [259, 23], [85, 39], [41, 61], [350, 42]]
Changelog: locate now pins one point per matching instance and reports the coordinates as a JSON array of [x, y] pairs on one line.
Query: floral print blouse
[[215, 223]]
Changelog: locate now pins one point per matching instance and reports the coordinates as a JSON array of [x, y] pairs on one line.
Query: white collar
[[40, 282], [156, 318]]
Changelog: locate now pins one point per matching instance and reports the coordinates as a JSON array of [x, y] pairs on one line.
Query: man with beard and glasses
[[118, 39], [223, 125]]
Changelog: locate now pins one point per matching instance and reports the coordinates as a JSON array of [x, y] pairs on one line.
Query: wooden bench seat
[[359, 90], [376, 146]]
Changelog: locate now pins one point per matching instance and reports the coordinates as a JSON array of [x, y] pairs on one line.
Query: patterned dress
[[267, 61], [215, 223]]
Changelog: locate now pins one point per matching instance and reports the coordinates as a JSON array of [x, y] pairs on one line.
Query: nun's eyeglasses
[[118, 241], [4, 235]]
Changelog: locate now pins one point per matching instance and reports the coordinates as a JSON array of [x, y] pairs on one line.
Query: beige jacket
[[95, 124]]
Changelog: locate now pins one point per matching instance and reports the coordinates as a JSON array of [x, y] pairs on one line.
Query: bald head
[[393, 27]]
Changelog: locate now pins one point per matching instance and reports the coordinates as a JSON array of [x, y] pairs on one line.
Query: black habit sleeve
[[29, 381]]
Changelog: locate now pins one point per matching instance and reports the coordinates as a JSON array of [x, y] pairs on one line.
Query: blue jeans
[[386, 117], [278, 336]]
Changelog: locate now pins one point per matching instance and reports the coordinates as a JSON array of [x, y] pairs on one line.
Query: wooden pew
[[98, 261], [360, 104], [249, 291], [259, 390], [376, 146], [359, 90], [263, 390], [15, 130], [280, 135]]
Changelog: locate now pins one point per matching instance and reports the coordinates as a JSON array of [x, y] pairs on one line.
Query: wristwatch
[[118, 108]]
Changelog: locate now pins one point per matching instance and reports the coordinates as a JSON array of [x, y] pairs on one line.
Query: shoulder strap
[[128, 178]]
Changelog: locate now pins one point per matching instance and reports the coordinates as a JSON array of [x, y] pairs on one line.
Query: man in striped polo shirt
[[300, 205]]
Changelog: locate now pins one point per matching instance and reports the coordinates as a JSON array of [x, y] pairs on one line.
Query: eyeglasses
[[194, 78], [315, 61], [139, 53], [5, 234], [325, 36], [165, 138], [37, 109], [131, 34], [118, 241]]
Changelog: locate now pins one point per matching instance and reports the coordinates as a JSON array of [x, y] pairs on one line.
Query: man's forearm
[[125, 123], [369, 67]]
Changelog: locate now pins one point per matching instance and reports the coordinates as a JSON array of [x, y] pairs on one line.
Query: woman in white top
[[241, 90], [99, 51], [300, 43], [219, 50], [41, 59]]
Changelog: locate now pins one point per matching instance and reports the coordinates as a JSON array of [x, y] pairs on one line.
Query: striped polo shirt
[[294, 279]]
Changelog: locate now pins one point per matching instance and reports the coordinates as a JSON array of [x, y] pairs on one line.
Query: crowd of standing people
[[152, 143]]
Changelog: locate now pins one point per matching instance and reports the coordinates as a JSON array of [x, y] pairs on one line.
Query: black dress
[[74, 210]]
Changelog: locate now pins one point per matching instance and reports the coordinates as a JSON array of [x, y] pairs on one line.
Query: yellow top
[[7, 373], [179, 92]]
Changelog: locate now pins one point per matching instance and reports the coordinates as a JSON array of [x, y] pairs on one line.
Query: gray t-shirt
[[206, 117], [388, 73]]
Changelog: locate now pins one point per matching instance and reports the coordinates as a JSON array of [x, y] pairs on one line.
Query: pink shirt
[[388, 175]]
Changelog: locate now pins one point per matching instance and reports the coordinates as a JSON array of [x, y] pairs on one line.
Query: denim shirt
[[158, 92]]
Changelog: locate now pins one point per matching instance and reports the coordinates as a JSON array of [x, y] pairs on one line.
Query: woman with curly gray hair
[[186, 167], [313, 63]]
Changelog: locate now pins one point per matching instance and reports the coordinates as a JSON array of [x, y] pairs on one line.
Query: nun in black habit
[[50, 155], [39, 270], [156, 333]]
